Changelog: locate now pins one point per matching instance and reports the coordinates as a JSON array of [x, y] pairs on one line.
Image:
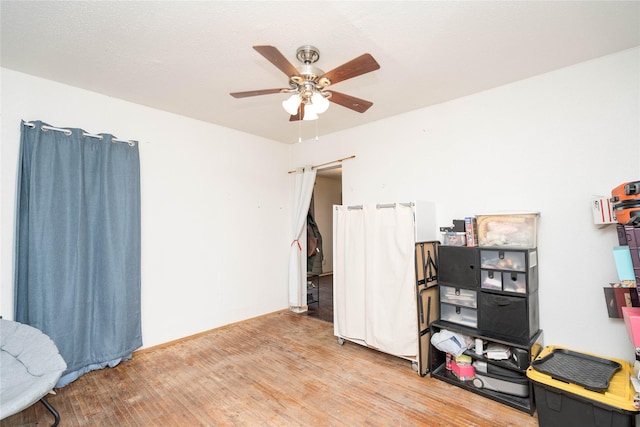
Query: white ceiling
[[185, 57]]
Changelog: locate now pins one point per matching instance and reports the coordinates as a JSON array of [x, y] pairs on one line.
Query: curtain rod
[[382, 206], [328, 163], [85, 134]]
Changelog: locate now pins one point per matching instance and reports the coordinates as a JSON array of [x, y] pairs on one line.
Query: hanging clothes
[[315, 255]]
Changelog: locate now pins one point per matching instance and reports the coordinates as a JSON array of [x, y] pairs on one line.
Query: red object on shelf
[[464, 372], [632, 321]]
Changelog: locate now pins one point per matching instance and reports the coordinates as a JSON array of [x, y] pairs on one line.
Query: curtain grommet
[[89, 135]]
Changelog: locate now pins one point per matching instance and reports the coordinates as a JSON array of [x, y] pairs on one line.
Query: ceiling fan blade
[[274, 56], [255, 93], [361, 65], [299, 115], [351, 102]]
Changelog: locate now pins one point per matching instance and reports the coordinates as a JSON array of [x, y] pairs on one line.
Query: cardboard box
[[602, 211], [471, 231]]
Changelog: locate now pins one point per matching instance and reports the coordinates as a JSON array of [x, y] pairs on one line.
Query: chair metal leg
[[52, 410]]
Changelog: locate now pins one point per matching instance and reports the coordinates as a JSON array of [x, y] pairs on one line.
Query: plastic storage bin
[[505, 260], [508, 230], [460, 315], [458, 296], [582, 390], [505, 281], [452, 238], [490, 279]]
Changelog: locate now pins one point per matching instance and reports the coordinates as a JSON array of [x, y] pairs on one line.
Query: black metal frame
[[53, 411]]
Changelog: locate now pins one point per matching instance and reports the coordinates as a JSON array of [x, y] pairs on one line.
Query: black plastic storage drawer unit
[[458, 273], [512, 270], [459, 305], [458, 266], [508, 297], [509, 316]]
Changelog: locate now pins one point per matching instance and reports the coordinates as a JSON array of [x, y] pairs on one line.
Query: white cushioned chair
[[30, 366]]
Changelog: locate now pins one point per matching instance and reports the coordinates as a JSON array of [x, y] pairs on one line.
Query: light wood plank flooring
[[282, 369]]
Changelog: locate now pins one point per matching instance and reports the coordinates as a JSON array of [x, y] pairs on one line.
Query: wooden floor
[[282, 369]]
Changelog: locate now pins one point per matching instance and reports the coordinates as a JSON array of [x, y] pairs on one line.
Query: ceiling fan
[[308, 84]]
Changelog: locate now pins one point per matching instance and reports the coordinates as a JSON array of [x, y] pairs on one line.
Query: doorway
[[327, 191]]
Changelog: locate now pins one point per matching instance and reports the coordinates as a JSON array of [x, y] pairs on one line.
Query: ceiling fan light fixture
[[320, 103], [291, 104], [309, 113]]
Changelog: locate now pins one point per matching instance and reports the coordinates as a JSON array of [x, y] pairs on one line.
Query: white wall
[[543, 144], [215, 244], [215, 249]]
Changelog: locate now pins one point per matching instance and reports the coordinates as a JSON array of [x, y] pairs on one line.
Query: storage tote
[[575, 389]]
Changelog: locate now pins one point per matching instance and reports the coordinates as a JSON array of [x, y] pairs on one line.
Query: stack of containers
[[458, 275], [629, 235], [490, 289], [508, 298]]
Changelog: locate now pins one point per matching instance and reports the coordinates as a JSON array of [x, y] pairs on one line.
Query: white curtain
[[348, 273], [305, 179], [374, 277]]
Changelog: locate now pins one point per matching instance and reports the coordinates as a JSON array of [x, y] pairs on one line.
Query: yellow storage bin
[[582, 389]]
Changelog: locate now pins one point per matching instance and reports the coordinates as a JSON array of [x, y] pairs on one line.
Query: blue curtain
[[77, 265]]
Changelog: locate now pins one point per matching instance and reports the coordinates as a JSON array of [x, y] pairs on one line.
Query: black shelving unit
[[490, 294], [528, 349]]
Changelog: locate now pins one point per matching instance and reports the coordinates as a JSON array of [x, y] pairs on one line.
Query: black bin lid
[[590, 372]]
